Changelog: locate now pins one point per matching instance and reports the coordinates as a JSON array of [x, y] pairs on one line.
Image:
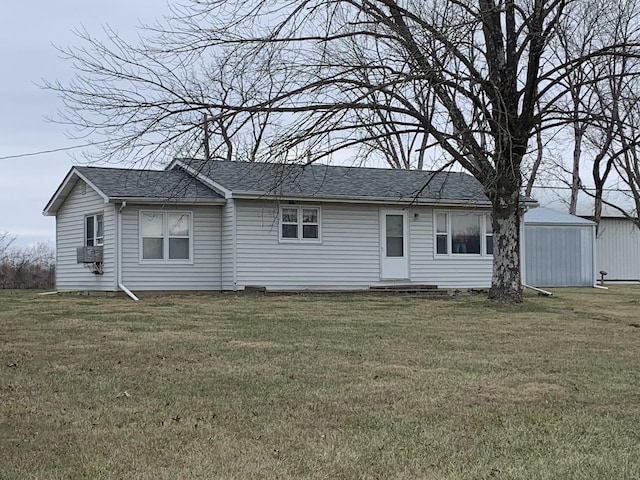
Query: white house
[[229, 225]]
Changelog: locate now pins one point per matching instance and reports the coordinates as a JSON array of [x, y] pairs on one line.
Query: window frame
[[484, 217], [300, 224], [165, 237], [98, 241]]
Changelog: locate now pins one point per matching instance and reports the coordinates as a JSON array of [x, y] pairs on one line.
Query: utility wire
[[43, 152]]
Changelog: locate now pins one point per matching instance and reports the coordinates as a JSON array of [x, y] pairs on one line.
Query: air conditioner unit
[[89, 254]]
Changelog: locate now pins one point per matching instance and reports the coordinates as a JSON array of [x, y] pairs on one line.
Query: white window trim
[[165, 236], [450, 254], [300, 239], [95, 226]]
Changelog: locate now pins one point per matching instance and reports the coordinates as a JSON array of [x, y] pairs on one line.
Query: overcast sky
[[28, 31]]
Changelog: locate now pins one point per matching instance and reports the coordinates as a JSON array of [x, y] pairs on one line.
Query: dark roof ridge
[[121, 169], [324, 165]]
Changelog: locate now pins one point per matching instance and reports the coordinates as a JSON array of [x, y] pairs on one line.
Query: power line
[[43, 152]]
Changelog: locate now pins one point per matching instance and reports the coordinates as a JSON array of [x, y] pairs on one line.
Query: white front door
[[394, 255]]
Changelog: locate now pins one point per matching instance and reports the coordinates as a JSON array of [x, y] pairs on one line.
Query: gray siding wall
[[70, 221], [447, 272], [559, 256], [618, 249], [203, 274], [348, 256]]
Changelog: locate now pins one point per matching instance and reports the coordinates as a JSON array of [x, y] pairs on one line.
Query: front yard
[[320, 387]]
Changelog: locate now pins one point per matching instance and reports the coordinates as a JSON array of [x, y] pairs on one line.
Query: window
[[395, 235], [300, 223], [165, 236], [463, 234], [488, 234], [94, 230]]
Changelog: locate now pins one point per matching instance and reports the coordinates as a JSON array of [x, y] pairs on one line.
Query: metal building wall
[[559, 256], [618, 249]]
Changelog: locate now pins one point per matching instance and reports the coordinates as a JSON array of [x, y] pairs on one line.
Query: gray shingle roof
[[339, 181], [151, 184]]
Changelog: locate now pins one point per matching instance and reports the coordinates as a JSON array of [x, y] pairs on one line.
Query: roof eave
[[65, 187], [359, 199], [164, 200], [560, 224]]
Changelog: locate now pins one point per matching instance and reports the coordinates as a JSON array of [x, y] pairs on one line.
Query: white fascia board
[[65, 188], [165, 201], [203, 178], [373, 200], [54, 198], [563, 224]]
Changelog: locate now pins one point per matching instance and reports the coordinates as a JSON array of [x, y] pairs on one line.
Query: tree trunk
[[506, 282], [578, 132]]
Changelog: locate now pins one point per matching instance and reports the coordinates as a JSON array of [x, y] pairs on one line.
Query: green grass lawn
[[320, 387]]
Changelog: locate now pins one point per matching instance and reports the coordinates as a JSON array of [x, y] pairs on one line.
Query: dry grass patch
[[242, 387]]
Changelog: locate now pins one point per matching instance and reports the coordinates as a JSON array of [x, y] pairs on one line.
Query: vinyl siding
[[202, 274], [348, 256], [618, 249], [70, 221], [453, 271]]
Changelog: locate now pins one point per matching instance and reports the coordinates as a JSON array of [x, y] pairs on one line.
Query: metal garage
[[559, 249]]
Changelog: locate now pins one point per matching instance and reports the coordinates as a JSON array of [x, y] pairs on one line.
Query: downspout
[[119, 254], [539, 290], [234, 237]]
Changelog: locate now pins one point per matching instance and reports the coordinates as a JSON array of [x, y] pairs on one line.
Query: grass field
[[320, 387]]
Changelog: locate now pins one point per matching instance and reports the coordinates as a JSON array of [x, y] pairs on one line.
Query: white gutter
[[165, 200], [405, 201], [119, 253], [410, 201]]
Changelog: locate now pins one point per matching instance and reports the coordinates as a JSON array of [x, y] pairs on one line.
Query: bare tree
[[26, 267], [601, 101], [6, 239], [471, 81], [577, 42]]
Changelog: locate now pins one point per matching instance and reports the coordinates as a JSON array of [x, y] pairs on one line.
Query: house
[[222, 225]]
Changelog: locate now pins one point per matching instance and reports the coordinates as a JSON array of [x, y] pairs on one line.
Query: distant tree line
[[25, 267]]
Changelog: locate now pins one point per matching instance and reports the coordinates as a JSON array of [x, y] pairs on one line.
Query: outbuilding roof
[[547, 216], [331, 181], [558, 199]]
